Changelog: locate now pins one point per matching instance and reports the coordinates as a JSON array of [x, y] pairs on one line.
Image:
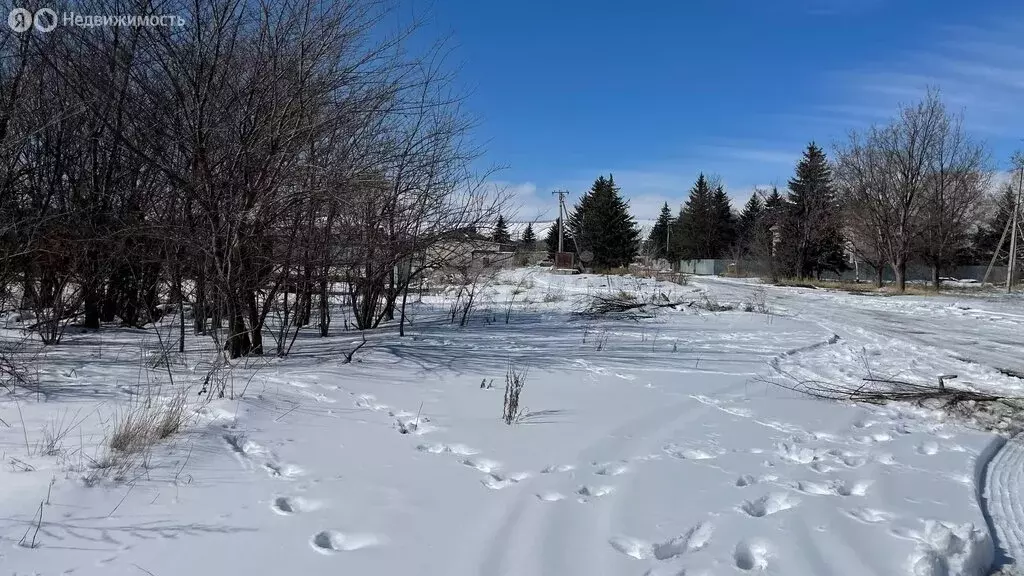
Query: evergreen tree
[[811, 233], [750, 220], [501, 235], [775, 213], [601, 225], [659, 237], [696, 223], [551, 240], [724, 222], [986, 238], [529, 239], [774, 201]]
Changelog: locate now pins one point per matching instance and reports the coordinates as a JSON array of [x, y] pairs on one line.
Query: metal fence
[[862, 272]]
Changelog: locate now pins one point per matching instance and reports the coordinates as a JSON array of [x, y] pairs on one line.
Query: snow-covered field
[[648, 447]]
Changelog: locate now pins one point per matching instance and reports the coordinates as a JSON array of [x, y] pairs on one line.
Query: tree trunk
[[201, 307], [305, 308], [899, 269], [401, 322], [255, 324], [284, 320], [92, 308], [108, 306], [935, 277], [307, 305], [29, 295], [879, 272], [324, 303], [218, 312], [238, 342], [181, 314], [389, 308]]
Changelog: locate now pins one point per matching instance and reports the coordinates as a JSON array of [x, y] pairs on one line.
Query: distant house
[[470, 249]]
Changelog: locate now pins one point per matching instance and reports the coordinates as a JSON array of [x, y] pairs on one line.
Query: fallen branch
[[349, 355], [882, 390], [629, 305]]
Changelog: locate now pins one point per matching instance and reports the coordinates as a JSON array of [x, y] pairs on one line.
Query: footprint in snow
[[557, 468], [587, 492], [688, 453], [885, 458], [551, 496], [877, 438], [768, 504], [457, 449], [369, 402], [928, 448], [482, 464], [749, 480], [751, 555], [868, 515], [612, 470], [793, 452], [693, 540], [833, 488], [244, 447], [496, 481], [279, 470], [820, 467], [331, 541], [319, 397], [286, 506]]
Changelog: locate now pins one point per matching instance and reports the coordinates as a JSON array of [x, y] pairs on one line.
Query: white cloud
[[979, 70]]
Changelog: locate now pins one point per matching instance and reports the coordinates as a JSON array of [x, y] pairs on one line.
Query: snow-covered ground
[[648, 447]]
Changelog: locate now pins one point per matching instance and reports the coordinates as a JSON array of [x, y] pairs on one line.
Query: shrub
[[515, 380]]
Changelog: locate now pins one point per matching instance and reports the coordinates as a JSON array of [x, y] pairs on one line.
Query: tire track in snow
[[1000, 485]]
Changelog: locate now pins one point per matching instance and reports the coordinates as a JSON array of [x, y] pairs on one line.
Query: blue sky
[[656, 91]]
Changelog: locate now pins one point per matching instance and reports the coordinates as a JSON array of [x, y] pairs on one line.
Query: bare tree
[[954, 195], [886, 175]]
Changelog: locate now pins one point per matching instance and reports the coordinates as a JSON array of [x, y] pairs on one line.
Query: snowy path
[[980, 337], [651, 448]]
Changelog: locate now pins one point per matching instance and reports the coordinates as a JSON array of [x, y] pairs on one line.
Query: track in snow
[[1002, 485]]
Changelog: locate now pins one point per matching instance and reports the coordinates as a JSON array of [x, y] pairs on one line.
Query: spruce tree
[[986, 238], [811, 239], [659, 237], [529, 239], [724, 223], [551, 240], [749, 221], [501, 235], [774, 201], [602, 226], [696, 223]]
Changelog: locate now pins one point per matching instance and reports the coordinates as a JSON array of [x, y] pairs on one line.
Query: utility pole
[[1014, 226], [561, 219]]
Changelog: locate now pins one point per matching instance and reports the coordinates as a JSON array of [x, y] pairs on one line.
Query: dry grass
[[826, 284], [142, 425], [515, 381], [870, 288], [133, 432]]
